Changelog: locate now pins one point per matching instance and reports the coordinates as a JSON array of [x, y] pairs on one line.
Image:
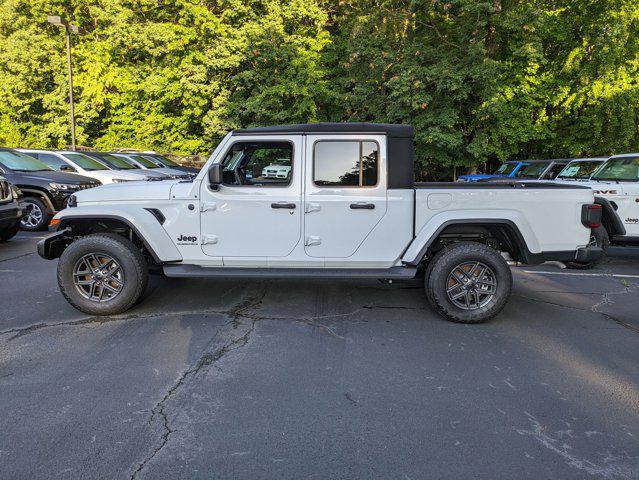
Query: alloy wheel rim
[[471, 285], [98, 277], [33, 217]]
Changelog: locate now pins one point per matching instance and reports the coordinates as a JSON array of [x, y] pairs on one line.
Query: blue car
[[508, 169]]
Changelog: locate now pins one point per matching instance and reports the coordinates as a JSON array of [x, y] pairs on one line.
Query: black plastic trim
[[185, 270], [159, 216], [609, 218], [53, 245], [66, 220]]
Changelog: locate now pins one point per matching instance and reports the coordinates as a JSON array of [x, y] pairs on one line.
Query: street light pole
[[59, 21]]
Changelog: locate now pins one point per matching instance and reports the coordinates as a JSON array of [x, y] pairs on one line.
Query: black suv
[[11, 211], [45, 190], [162, 161]]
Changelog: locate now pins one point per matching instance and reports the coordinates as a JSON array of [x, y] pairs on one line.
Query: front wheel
[[37, 217], [102, 274], [468, 282]]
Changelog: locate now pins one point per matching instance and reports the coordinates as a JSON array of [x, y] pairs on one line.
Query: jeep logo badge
[[186, 239]]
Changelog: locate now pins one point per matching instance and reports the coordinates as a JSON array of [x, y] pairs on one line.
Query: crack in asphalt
[[19, 256], [206, 359], [235, 311], [594, 309]]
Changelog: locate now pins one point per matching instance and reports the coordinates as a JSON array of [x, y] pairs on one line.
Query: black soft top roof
[[389, 129]]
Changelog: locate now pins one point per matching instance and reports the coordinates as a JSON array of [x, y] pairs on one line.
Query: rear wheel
[[468, 282], [598, 237], [102, 274], [37, 217], [9, 232]]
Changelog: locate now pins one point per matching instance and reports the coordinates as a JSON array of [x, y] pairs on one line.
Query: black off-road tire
[[43, 223], [9, 232], [443, 264], [601, 239], [124, 252]]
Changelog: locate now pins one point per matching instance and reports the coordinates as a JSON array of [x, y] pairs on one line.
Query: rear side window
[[345, 163]]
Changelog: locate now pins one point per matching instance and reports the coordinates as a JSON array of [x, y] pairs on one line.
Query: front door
[[345, 193], [256, 212]]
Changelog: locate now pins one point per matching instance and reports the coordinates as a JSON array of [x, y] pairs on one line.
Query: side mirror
[[215, 175], [67, 168]]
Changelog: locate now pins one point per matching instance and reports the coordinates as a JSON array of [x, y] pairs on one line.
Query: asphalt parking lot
[[290, 379]]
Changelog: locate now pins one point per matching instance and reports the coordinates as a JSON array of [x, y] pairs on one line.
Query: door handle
[[362, 206], [290, 206]]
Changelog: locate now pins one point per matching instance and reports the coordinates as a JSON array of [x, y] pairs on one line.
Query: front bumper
[[53, 245], [12, 212]]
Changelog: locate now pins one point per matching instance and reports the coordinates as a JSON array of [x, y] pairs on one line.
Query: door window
[[345, 163], [52, 160], [258, 164]]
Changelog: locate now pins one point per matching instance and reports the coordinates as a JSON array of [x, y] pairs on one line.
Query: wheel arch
[[609, 218], [504, 232], [141, 226], [38, 193]]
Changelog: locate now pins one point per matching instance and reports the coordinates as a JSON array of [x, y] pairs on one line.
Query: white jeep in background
[[616, 188], [76, 162], [348, 209]]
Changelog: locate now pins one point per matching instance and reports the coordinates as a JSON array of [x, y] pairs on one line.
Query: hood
[[127, 192], [49, 176]]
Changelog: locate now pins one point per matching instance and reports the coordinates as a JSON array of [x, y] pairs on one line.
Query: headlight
[[15, 192], [63, 187]]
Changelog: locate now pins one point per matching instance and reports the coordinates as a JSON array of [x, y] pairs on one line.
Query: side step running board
[[243, 272]]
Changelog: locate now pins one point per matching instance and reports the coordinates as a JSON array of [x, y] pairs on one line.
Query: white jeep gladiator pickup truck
[[349, 208]]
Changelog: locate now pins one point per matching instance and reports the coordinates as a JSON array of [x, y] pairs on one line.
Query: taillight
[[591, 215]]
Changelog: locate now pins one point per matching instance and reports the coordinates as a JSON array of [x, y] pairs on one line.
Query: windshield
[[117, 162], [506, 169], [21, 162], [580, 170], [624, 168], [164, 161], [532, 170], [85, 162], [144, 161]]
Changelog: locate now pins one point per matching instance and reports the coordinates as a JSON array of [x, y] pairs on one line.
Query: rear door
[[345, 192]]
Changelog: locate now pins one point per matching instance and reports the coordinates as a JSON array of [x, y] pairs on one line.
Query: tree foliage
[[481, 80]]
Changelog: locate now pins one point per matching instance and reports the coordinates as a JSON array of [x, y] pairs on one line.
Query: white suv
[[76, 162]]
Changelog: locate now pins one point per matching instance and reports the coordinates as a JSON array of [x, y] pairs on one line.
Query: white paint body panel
[[236, 226]]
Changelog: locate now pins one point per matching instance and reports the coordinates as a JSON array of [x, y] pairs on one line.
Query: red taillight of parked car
[[591, 215]]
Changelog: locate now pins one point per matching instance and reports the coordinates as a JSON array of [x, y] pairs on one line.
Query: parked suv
[[139, 161], [506, 170], [121, 165], [162, 161], [11, 211], [45, 190], [580, 169], [76, 162]]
